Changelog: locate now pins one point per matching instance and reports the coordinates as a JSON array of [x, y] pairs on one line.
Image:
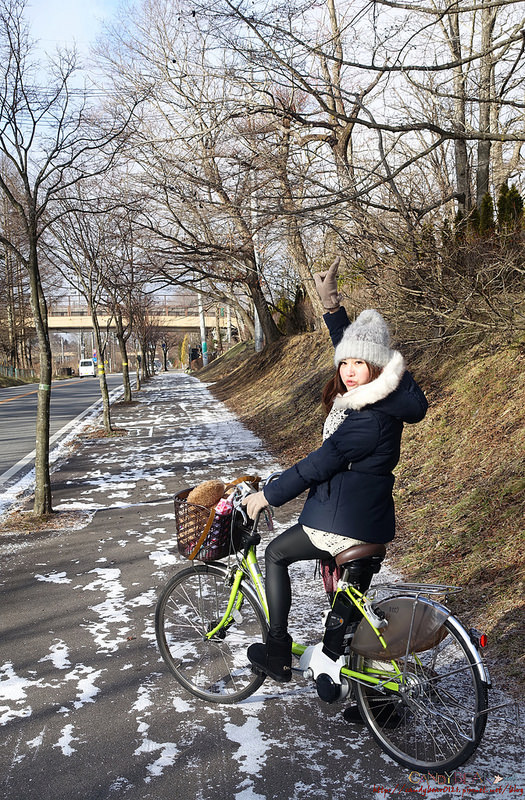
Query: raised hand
[[326, 285]]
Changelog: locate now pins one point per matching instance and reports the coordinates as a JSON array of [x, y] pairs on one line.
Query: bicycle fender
[[413, 623]]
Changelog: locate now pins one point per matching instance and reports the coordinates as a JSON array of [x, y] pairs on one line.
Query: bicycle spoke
[[433, 721], [194, 603]]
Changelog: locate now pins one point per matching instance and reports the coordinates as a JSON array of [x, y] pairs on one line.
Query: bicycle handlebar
[[242, 490]]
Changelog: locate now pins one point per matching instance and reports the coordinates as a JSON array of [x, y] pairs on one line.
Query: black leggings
[[291, 546]]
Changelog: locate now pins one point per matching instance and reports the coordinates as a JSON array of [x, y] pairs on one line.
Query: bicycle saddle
[[358, 551]]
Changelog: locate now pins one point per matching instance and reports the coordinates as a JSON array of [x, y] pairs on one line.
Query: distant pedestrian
[[349, 477]]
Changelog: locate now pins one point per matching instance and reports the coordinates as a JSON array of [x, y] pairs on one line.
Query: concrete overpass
[[78, 319]]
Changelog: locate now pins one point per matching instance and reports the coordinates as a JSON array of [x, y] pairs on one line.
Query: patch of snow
[[180, 705], [58, 655], [119, 785], [111, 611], [148, 598], [248, 793], [85, 678], [53, 577], [163, 558], [37, 742], [253, 744], [64, 743], [13, 692], [168, 751]]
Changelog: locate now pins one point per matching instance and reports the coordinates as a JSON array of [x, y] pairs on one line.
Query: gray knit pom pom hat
[[367, 338]]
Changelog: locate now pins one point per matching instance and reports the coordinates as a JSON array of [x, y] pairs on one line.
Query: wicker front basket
[[202, 534]]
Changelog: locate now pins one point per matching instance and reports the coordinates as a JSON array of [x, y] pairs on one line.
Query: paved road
[[69, 399], [88, 710]]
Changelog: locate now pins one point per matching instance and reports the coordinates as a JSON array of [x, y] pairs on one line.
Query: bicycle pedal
[[258, 671]]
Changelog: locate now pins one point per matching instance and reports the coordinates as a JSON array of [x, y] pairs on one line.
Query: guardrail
[[17, 372]]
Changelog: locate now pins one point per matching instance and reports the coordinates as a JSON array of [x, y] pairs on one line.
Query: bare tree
[[15, 311], [447, 53], [80, 250], [124, 276], [51, 141], [316, 126], [200, 186]]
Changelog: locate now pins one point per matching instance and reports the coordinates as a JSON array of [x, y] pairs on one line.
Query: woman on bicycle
[[349, 477]]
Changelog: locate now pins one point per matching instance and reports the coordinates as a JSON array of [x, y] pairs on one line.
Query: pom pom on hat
[[367, 338]]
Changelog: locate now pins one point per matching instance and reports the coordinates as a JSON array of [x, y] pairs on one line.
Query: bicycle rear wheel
[[435, 721], [191, 604]]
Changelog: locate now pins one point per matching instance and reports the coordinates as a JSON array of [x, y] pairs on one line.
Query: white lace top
[[332, 422]]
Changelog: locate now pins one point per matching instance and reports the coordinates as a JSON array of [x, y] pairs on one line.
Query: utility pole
[[228, 324], [202, 321], [258, 332], [258, 336]]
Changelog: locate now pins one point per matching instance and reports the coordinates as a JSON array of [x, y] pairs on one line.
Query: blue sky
[[64, 22]]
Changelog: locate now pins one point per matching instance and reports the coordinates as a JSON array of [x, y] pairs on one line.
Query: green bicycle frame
[[250, 566]]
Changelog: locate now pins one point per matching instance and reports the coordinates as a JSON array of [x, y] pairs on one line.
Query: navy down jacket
[[349, 477]]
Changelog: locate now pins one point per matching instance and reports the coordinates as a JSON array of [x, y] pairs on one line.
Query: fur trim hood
[[379, 389]]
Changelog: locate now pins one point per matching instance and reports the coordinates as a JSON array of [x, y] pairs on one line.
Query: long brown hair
[[336, 386]]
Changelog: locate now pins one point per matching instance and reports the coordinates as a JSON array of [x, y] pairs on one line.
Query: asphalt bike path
[[88, 710]]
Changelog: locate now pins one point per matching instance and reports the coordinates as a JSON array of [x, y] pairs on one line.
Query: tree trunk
[[124, 356], [460, 145], [245, 326], [125, 371], [11, 311], [298, 253], [101, 349], [488, 19], [295, 245], [269, 328], [218, 326], [42, 502], [143, 366], [138, 359]]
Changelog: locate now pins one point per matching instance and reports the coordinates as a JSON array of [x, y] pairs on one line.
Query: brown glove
[[326, 285]]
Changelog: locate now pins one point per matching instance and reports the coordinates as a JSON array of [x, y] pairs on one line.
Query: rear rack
[[416, 589]]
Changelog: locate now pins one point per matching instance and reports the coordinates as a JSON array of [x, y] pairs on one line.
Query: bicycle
[[416, 673]]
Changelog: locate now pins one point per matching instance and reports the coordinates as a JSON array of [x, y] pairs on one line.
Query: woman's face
[[354, 372]]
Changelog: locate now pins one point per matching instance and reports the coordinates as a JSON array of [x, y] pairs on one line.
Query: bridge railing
[[155, 311]]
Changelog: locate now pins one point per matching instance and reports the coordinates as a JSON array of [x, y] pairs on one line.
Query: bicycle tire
[[190, 605], [437, 721]]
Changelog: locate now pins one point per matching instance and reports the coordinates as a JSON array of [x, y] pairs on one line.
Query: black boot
[[273, 658]]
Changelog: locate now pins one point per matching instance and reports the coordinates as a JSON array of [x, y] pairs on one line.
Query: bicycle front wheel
[[191, 605], [437, 719]]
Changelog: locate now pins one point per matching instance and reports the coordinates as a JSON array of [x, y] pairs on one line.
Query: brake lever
[[243, 490], [245, 518]]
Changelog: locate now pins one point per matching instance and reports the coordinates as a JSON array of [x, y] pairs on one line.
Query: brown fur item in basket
[[207, 494]]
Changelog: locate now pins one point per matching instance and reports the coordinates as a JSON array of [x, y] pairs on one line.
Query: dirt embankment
[[460, 485]]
